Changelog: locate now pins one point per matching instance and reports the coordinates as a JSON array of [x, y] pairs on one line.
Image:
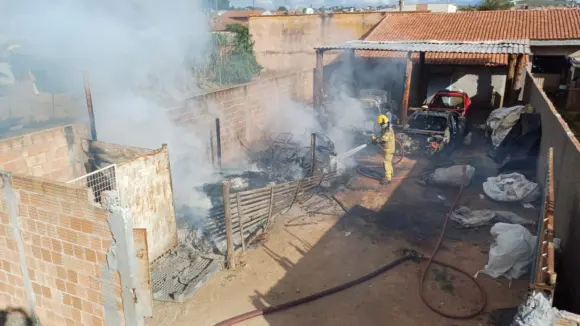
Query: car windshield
[[430, 122], [447, 101]]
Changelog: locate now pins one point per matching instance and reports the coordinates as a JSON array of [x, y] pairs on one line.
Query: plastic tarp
[[511, 253], [466, 218], [511, 187], [452, 176], [537, 310], [501, 121]]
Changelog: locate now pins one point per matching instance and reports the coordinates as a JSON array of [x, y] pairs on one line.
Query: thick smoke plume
[[138, 55]]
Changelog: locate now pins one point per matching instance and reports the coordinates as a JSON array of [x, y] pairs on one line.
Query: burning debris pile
[[287, 159], [202, 234]]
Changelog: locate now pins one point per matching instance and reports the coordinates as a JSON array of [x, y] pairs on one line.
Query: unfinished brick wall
[[52, 153], [65, 240], [243, 110]]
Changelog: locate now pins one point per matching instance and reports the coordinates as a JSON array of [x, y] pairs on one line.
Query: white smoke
[[138, 57]]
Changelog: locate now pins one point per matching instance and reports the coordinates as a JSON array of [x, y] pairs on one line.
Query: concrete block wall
[[145, 187], [557, 134], [51, 153], [53, 262]]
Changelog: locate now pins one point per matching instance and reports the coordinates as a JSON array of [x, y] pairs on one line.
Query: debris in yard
[[466, 218], [441, 197], [511, 253], [527, 205], [451, 176], [537, 310], [346, 234], [501, 121], [520, 148], [289, 157], [511, 187]]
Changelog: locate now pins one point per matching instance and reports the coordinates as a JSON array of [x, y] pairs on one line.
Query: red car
[[450, 100]]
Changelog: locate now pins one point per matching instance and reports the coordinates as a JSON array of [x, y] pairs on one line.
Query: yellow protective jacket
[[387, 140]]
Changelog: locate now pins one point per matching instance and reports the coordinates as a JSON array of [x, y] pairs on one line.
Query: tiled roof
[[222, 23], [242, 13], [544, 24]]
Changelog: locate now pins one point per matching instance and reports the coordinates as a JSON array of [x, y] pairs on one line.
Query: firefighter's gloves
[[374, 140]]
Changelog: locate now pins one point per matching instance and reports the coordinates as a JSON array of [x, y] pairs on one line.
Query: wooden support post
[[313, 146], [517, 84], [228, 223], [89, 99], [269, 221], [422, 85], [211, 148], [241, 220], [509, 79], [318, 81], [407, 89], [218, 135]]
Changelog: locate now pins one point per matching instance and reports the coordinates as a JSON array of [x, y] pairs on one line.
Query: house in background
[[232, 17], [554, 34], [432, 7]]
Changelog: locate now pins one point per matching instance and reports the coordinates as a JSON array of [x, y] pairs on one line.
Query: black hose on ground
[[316, 296]]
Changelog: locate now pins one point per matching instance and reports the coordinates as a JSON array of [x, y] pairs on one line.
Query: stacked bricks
[[44, 153], [65, 244]]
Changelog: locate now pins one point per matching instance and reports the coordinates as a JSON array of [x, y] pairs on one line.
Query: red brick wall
[[44, 153], [65, 243]]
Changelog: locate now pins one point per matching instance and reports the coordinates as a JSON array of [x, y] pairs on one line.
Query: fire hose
[[408, 256]]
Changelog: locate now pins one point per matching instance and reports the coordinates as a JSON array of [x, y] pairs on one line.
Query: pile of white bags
[[512, 251], [511, 187]]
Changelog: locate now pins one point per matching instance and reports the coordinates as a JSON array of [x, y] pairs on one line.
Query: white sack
[[452, 176], [467, 218], [511, 187], [512, 251], [501, 121]]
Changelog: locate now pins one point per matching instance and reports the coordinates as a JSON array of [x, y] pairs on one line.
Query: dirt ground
[[318, 246]]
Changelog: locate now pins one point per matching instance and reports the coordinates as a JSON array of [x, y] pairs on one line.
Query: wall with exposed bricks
[[53, 153], [557, 134], [59, 271], [245, 111]]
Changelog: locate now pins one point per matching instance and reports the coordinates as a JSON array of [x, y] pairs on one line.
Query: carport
[[517, 50]]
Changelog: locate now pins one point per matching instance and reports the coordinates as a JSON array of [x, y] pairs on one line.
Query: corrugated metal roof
[[567, 42], [489, 47]]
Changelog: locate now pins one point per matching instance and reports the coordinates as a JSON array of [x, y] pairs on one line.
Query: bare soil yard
[[317, 246]]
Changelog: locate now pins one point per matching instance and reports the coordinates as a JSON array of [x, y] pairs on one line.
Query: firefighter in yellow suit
[[387, 142]]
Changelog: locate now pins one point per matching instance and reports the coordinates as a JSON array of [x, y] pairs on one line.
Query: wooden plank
[[228, 224], [241, 223], [144, 293]]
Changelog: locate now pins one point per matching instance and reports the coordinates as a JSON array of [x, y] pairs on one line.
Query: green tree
[[238, 64], [282, 8], [494, 5]]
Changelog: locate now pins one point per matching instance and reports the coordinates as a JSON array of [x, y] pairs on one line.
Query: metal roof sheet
[[490, 47]]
